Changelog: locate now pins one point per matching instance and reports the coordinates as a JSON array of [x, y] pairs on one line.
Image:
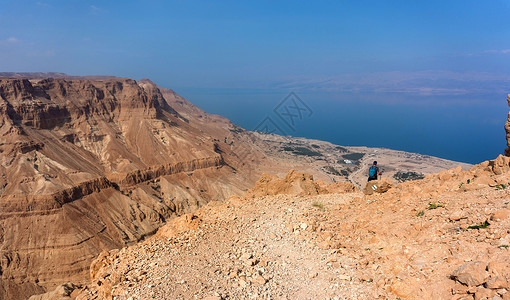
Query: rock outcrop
[[296, 183], [507, 129], [339, 187], [472, 273], [377, 186], [293, 183]]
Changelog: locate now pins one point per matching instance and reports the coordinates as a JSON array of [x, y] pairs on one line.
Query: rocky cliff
[[89, 165], [95, 163], [507, 129]]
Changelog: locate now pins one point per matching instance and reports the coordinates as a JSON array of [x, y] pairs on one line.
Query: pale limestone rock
[[377, 186], [457, 215], [472, 273], [497, 268], [507, 129], [500, 215], [483, 293], [497, 282], [61, 292]]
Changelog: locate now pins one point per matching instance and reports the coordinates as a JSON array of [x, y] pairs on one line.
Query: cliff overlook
[[98, 163]]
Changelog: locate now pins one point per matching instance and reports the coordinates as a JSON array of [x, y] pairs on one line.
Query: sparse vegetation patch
[[501, 187], [236, 129], [332, 170], [302, 151], [408, 176], [318, 205], [353, 156], [481, 226], [434, 206]]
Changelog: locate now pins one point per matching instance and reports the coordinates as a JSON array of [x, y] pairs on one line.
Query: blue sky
[[265, 44], [443, 62]]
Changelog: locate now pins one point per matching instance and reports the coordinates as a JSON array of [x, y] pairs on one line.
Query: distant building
[[348, 161]]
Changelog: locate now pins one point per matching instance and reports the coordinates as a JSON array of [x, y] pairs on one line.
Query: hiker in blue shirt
[[373, 172]]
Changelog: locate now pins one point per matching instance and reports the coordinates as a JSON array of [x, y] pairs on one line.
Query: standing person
[[373, 172]]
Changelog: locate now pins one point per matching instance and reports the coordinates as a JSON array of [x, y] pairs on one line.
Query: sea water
[[466, 128]]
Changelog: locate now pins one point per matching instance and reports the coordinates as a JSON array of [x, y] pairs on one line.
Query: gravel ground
[[258, 248]]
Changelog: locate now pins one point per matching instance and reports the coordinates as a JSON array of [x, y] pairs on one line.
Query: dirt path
[[244, 249], [363, 168]]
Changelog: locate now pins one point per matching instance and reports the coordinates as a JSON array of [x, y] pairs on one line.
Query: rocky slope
[[97, 163], [442, 237], [507, 129]]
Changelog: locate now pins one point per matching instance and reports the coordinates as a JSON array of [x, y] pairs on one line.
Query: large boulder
[[180, 224], [472, 273], [377, 186], [500, 165], [61, 292], [497, 282]]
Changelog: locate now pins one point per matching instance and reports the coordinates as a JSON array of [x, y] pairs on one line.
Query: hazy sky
[[425, 47], [433, 75]]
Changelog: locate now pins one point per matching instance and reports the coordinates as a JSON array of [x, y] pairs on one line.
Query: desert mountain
[[507, 129], [91, 165], [98, 163]]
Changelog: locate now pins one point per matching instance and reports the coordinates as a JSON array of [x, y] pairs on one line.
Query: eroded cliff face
[[91, 165]]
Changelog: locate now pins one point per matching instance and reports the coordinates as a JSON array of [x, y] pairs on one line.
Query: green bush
[[483, 225], [318, 205], [501, 187], [434, 206]]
